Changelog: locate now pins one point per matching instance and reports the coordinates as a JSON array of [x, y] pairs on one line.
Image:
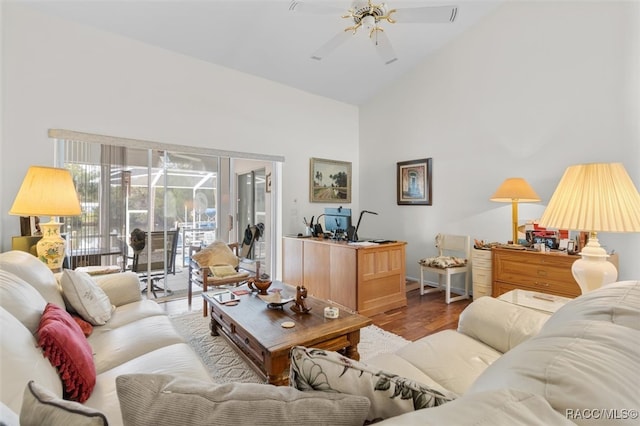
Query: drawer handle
[[246, 340], [542, 284]]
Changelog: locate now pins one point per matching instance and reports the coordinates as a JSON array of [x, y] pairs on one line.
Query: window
[[153, 188]]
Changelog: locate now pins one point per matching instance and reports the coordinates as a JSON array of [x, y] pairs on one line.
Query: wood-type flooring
[[422, 316]]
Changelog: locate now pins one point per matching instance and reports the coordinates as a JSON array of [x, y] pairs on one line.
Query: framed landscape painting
[[329, 181], [414, 182]]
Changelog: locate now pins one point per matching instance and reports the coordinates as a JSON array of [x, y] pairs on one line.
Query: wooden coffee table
[[256, 331]]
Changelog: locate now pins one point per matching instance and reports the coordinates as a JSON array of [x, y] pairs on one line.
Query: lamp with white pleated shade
[[48, 191], [597, 197]]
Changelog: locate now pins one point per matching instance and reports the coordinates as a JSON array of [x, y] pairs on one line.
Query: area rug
[[226, 366]]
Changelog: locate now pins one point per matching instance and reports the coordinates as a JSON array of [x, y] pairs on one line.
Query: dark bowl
[[260, 285]]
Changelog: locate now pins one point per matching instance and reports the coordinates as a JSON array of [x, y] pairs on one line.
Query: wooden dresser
[[535, 271]]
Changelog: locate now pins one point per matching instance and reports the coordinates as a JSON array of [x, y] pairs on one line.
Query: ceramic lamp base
[[593, 270], [51, 248]]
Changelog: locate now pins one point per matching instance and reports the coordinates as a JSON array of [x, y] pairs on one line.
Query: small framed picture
[[267, 187], [414, 182], [571, 247]]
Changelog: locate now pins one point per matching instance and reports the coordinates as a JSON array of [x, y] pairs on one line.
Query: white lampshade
[[594, 197], [48, 191]]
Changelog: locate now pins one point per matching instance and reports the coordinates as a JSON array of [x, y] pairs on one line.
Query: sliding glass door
[[155, 190]]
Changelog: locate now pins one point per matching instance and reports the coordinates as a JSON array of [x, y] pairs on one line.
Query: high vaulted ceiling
[[266, 39]]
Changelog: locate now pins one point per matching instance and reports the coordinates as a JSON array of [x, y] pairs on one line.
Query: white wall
[[527, 92], [530, 90], [63, 75]]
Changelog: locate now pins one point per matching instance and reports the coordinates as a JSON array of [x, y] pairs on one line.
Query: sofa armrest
[[500, 407], [122, 288], [499, 324]]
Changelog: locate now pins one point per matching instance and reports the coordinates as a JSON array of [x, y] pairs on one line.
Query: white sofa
[[139, 337], [507, 364], [582, 367]]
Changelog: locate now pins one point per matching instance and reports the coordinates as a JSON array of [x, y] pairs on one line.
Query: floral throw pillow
[[390, 395]]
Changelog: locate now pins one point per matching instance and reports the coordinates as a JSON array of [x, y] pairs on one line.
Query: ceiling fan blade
[[426, 14], [331, 45], [314, 8], [383, 47]]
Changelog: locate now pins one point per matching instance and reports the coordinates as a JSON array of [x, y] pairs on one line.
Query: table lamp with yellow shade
[[597, 197], [515, 190], [48, 191]]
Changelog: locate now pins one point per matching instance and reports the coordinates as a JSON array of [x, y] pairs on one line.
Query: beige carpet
[[226, 366]]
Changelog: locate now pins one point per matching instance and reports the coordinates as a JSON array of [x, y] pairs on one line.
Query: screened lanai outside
[[123, 189]]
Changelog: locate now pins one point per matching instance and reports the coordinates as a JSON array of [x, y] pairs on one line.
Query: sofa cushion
[[135, 311], [589, 360], [167, 400], [390, 395], [217, 253], [122, 288], [41, 406], [21, 300], [8, 416], [179, 360], [85, 297], [21, 361], [34, 272], [67, 349], [500, 324], [497, 408], [466, 358], [113, 346]]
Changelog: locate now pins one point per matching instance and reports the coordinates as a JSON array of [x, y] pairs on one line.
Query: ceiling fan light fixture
[[369, 23], [364, 13]]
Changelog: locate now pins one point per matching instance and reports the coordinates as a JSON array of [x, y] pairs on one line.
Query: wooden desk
[[365, 279]]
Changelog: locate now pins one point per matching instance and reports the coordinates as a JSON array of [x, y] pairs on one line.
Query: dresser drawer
[[481, 258], [481, 276], [541, 272], [243, 340], [481, 290]]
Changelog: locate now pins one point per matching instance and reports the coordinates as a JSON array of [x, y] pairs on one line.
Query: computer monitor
[[337, 219]]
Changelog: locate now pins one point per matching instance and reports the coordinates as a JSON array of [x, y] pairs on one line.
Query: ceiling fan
[[367, 15]]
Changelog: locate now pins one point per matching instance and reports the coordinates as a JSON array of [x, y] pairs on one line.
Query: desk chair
[[162, 256], [454, 254]]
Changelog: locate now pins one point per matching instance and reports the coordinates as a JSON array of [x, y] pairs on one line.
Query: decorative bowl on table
[[275, 300], [260, 285]]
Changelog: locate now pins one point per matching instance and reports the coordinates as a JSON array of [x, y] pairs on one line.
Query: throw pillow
[[223, 271], [67, 349], [85, 297], [390, 395], [156, 399], [217, 253], [85, 326], [40, 406]]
